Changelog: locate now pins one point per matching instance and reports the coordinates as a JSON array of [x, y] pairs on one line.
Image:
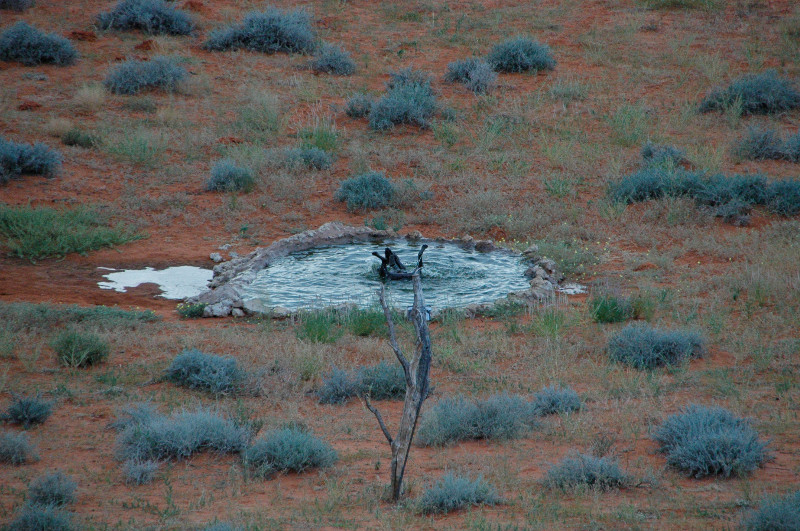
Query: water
[[325, 276], [175, 282]]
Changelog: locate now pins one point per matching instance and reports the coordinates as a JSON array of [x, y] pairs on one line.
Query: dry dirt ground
[[529, 162]]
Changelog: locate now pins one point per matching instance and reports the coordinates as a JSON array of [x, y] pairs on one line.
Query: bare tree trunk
[[416, 373]]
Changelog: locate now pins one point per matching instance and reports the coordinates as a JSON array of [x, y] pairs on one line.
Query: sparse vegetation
[[16, 448], [453, 492], [288, 449], [270, 31], [764, 93], [580, 470], [331, 59], [710, 441], [31, 47], [138, 472], [42, 518], [645, 347], [79, 349], [155, 17], [54, 489], [27, 411], [359, 105], [132, 76], [227, 176], [521, 54]]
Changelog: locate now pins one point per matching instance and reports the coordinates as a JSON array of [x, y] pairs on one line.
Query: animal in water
[[390, 259], [393, 259]]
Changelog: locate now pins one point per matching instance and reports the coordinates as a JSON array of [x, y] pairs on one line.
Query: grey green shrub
[[222, 526], [55, 489], [42, 518], [30, 46], [662, 155], [79, 349], [553, 400], [366, 191], [132, 76], [775, 514], [16, 448], [156, 437], [521, 54], [456, 419], [227, 176], [16, 5], [219, 375], [332, 59], [151, 16], [18, 159], [764, 93], [288, 449], [475, 73], [383, 381], [27, 411], [271, 31], [710, 441], [580, 470], [359, 105], [338, 387], [309, 157], [766, 144], [645, 347], [452, 492], [783, 197], [409, 100]]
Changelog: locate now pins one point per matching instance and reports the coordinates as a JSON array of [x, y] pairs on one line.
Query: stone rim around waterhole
[[232, 280]]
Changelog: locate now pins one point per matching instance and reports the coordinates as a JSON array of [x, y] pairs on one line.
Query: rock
[[216, 257], [467, 242], [237, 312], [484, 246], [550, 267], [225, 247], [414, 236], [219, 309], [279, 312], [35, 76], [255, 306], [531, 252], [474, 310]]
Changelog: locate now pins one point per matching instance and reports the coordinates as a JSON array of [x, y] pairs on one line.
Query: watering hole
[[175, 282], [324, 276]]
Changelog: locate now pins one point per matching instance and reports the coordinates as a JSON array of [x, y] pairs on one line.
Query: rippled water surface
[[451, 276]]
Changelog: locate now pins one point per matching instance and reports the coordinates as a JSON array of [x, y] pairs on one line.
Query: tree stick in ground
[[417, 373]]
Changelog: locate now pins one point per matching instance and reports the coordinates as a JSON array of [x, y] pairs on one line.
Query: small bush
[[338, 387], [453, 492], [452, 420], [475, 73], [156, 437], [764, 93], [383, 381], [139, 472], [17, 159], [331, 59], [272, 31], [31, 47], [288, 449], [40, 232], [76, 137], [16, 5], [189, 310], [136, 414], [16, 448], [55, 489], [310, 157], [219, 375], [409, 100], [132, 76], [645, 347], [521, 54], [155, 17], [791, 148], [227, 176], [79, 349], [368, 191], [606, 308], [365, 323], [28, 411], [42, 518], [708, 441], [601, 473], [359, 105], [662, 155], [775, 514], [760, 144], [553, 400], [784, 197]]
